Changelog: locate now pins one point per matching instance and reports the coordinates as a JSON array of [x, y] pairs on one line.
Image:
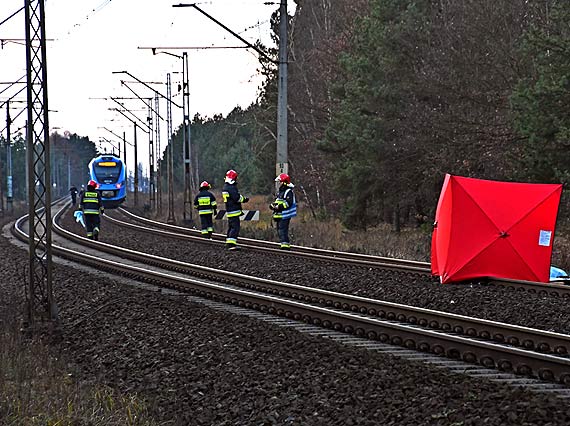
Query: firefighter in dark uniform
[[206, 204], [284, 208], [92, 208], [73, 192], [233, 200]]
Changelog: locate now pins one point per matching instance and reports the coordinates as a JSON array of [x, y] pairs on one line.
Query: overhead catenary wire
[[146, 85], [19, 91], [14, 14], [142, 99]]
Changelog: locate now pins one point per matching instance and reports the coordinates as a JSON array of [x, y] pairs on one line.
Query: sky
[[88, 40]]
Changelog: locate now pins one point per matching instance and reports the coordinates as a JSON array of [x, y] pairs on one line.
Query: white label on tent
[[544, 238]]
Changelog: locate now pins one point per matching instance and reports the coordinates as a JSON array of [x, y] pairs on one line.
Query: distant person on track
[[73, 192], [92, 208], [284, 208], [207, 207], [233, 200]]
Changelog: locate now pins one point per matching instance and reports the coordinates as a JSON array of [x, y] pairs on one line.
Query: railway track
[[354, 259], [404, 266], [422, 333]]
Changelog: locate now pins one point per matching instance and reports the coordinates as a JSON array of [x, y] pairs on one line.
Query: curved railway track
[[350, 259], [354, 259], [520, 350]]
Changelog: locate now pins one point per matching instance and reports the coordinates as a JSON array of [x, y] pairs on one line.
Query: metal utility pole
[[191, 172], [170, 218], [9, 194], [134, 121], [125, 161], [158, 169], [124, 148], [282, 165], [149, 125], [190, 179], [68, 170], [136, 176], [41, 304], [152, 185]]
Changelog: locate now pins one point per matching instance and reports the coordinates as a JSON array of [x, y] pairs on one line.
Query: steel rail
[[424, 268], [355, 259], [473, 350], [529, 338]]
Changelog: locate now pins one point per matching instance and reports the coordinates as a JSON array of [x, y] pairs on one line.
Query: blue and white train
[[111, 176]]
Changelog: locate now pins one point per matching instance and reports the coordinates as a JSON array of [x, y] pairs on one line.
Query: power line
[[13, 14]]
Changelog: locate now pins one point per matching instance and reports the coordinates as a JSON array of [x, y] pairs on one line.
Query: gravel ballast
[[487, 302], [199, 366]]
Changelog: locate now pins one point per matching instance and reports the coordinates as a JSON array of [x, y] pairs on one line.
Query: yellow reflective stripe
[[233, 214], [225, 196]]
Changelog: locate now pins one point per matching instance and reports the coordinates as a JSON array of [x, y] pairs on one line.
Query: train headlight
[[119, 185]]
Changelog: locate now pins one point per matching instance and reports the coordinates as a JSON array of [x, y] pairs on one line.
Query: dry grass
[[412, 243], [381, 241], [36, 390]]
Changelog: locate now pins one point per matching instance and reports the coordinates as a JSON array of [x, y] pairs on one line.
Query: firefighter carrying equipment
[[92, 207], [285, 206], [91, 202]]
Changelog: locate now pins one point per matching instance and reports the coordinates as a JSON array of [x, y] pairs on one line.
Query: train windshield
[[107, 171]]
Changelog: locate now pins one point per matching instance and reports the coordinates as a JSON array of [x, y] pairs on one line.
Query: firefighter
[[73, 192], [92, 208], [284, 208], [233, 200], [205, 202]]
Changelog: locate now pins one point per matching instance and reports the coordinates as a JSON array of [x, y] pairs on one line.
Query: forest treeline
[[69, 156], [387, 96]]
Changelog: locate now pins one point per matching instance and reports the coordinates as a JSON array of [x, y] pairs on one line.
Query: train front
[[110, 175]]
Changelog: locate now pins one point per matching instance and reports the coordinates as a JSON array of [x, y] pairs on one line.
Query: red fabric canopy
[[487, 228]]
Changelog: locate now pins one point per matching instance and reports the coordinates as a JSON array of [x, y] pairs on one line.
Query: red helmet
[[231, 174], [283, 178], [92, 183], [205, 185]]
